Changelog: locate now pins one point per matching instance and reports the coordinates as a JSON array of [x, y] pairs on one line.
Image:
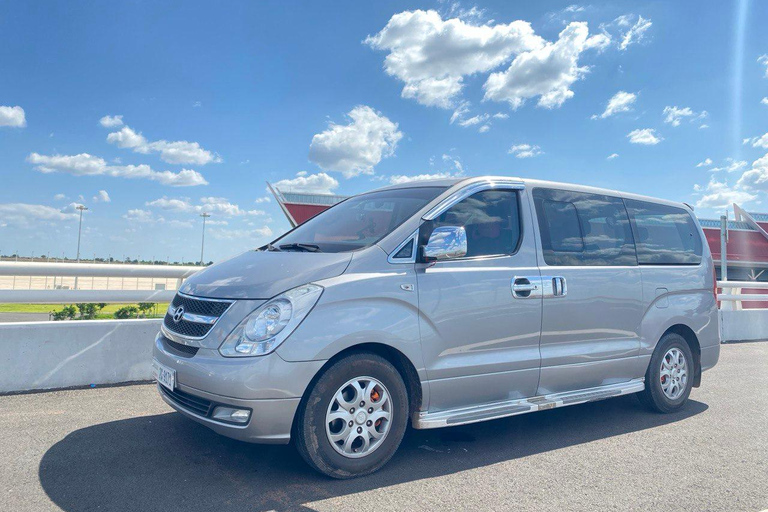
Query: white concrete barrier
[[743, 325], [50, 355]]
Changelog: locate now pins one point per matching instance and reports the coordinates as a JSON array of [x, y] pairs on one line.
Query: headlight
[[267, 327]]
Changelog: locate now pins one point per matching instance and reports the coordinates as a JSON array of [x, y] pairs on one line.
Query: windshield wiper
[[271, 247], [300, 247]]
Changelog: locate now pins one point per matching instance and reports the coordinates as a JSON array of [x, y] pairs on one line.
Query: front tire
[[669, 378], [351, 422]]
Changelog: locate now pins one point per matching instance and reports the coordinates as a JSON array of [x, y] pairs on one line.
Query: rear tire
[[351, 422], [669, 378]]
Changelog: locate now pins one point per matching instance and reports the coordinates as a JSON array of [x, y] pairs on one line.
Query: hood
[[264, 274]]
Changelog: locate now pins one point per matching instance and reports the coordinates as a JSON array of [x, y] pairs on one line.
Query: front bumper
[[269, 386]]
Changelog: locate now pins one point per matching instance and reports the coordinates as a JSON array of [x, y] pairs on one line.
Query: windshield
[[357, 222]]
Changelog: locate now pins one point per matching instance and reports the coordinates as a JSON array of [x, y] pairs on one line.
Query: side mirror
[[446, 243]]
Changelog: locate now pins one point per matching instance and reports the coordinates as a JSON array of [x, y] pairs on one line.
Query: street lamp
[[204, 215], [82, 208]]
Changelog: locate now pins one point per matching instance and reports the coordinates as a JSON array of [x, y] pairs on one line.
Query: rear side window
[[583, 229], [666, 235]]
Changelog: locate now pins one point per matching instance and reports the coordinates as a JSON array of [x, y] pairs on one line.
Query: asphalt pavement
[[123, 449]]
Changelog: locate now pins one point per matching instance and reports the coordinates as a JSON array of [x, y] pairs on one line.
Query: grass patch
[[107, 312]]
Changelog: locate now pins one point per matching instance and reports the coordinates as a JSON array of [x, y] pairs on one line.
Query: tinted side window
[[583, 229], [666, 235], [491, 219]]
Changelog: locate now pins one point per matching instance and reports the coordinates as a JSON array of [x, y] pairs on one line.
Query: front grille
[[205, 307], [194, 403], [185, 328], [184, 349]]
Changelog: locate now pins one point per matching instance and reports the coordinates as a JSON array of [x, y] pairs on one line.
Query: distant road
[[23, 317]]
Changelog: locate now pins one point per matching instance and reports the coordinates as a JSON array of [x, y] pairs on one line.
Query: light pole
[[204, 215], [82, 208]]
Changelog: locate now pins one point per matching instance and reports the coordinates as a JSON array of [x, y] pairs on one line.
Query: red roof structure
[[299, 207]]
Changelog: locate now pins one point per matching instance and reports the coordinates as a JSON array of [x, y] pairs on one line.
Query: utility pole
[[82, 208], [204, 215]]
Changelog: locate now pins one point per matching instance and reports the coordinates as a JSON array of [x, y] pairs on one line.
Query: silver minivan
[[442, 303]]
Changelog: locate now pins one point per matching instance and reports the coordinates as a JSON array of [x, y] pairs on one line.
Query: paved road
[[123, 449], [24, 317]]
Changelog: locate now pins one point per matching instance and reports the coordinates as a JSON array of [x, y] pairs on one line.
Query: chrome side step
[[465, 415]]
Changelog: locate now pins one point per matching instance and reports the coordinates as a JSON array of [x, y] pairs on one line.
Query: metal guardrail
[[731, 298], [59, 295]]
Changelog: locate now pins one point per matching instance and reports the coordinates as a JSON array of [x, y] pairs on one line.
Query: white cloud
[[525, 150], [763, 59], [264, 199], [139, 215], [13, 117], [215, 205], [646, 136], [764, 101], [60, 197], [102, 197], [703, 127], [705, 163], [32, 215], [432, 56], [547, 72], [398, 179], [634, 32], [731, 165], [757, 177], [675, 115], [612, 156], [319, 183], [127, 138], [453, 160], [175, 152], [111, 121], [355, 148], [718, 195], [758, 142], [622, 101], [72, 207], [474, 120], [84, 164], [241, 234], [500, 115]]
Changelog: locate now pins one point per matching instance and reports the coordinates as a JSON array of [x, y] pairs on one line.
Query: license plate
[[164, 375]]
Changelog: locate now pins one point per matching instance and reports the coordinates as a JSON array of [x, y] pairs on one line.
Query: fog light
[[231, 414]]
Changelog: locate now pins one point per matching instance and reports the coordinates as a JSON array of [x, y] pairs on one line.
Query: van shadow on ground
[[166, 462]]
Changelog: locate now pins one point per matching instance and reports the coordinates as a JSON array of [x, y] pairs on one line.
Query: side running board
[[465, 415]]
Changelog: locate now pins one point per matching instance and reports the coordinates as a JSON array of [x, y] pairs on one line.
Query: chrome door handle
[[526, 287], [554, 286]]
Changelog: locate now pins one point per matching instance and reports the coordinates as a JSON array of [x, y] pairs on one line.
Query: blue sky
[[217, 99]]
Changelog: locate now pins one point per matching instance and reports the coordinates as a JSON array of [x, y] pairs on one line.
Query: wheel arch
[[693, 343], [399, 360]]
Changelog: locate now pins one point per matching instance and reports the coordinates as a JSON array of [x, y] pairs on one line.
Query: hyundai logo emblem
[[178, 314]]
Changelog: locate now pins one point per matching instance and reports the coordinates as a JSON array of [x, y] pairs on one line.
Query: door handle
[[554, 286], [526, 287]]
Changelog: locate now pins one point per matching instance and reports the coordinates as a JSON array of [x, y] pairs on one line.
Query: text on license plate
[[164, 375]]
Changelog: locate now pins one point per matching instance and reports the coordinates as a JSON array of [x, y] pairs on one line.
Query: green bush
[[67, 313], [146, 307], [126, 312], [89, 310]]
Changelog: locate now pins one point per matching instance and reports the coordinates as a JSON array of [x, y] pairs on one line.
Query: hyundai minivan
[[442, 303]]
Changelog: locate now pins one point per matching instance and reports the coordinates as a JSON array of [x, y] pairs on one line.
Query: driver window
[[491, 220]]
